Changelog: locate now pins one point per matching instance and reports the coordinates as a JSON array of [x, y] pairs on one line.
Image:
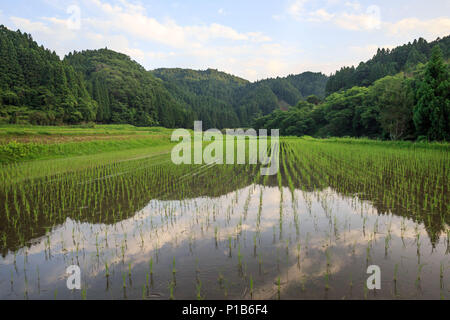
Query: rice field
[[140, 227]]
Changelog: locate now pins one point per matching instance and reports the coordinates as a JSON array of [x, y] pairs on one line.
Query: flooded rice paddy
[[147, 229]]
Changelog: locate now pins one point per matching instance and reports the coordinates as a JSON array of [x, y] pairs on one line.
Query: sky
[[251, 39]]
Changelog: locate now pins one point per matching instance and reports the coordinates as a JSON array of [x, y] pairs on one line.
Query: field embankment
[[23, 143]]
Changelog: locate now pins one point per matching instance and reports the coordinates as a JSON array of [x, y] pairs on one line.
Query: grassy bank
[[19, 131], [394, 144], [22, 143]]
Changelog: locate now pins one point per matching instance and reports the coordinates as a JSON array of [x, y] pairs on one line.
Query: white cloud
[[160, 55], [413, 28], [357, 22], [134, 21], [122, 26], [250, 61], [258, 37], [352, 16], [29, 25], [320, 15], [56, 35], [297, 8], [156, 41]]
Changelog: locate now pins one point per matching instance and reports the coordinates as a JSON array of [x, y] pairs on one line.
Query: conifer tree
[[432, 111]]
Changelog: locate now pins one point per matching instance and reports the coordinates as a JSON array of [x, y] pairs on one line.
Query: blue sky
[[251, 39]]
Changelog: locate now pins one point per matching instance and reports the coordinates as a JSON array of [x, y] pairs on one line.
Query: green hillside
[[222, 100], [406, 106], [399, 94], [209, 94], [125, 91], [386, 62], [35, 85]]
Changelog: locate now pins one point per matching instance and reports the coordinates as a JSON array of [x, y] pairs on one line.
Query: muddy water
[[255, 241]]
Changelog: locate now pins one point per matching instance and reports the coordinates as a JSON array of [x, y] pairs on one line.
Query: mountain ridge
[[106, 86]]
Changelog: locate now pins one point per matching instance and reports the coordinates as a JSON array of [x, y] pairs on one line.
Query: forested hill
[[222, 100], [36, 86], [387, 62], [401, 93], [125, 92], [104, 86], [413, 105], [263, 97], [209, 95]]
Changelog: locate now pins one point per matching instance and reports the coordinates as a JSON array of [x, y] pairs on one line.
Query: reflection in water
[[147, 229]]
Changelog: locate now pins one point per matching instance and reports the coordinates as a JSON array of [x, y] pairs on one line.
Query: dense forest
[[208, 95], [104, 86], [386, 63], [409, 105], [262, 97], [221, 100], [125, 92], [36, 86], [401, 93]]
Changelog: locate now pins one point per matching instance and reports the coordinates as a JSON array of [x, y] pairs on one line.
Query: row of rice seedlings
[[345, 175], [123, 185], [104, 195]]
